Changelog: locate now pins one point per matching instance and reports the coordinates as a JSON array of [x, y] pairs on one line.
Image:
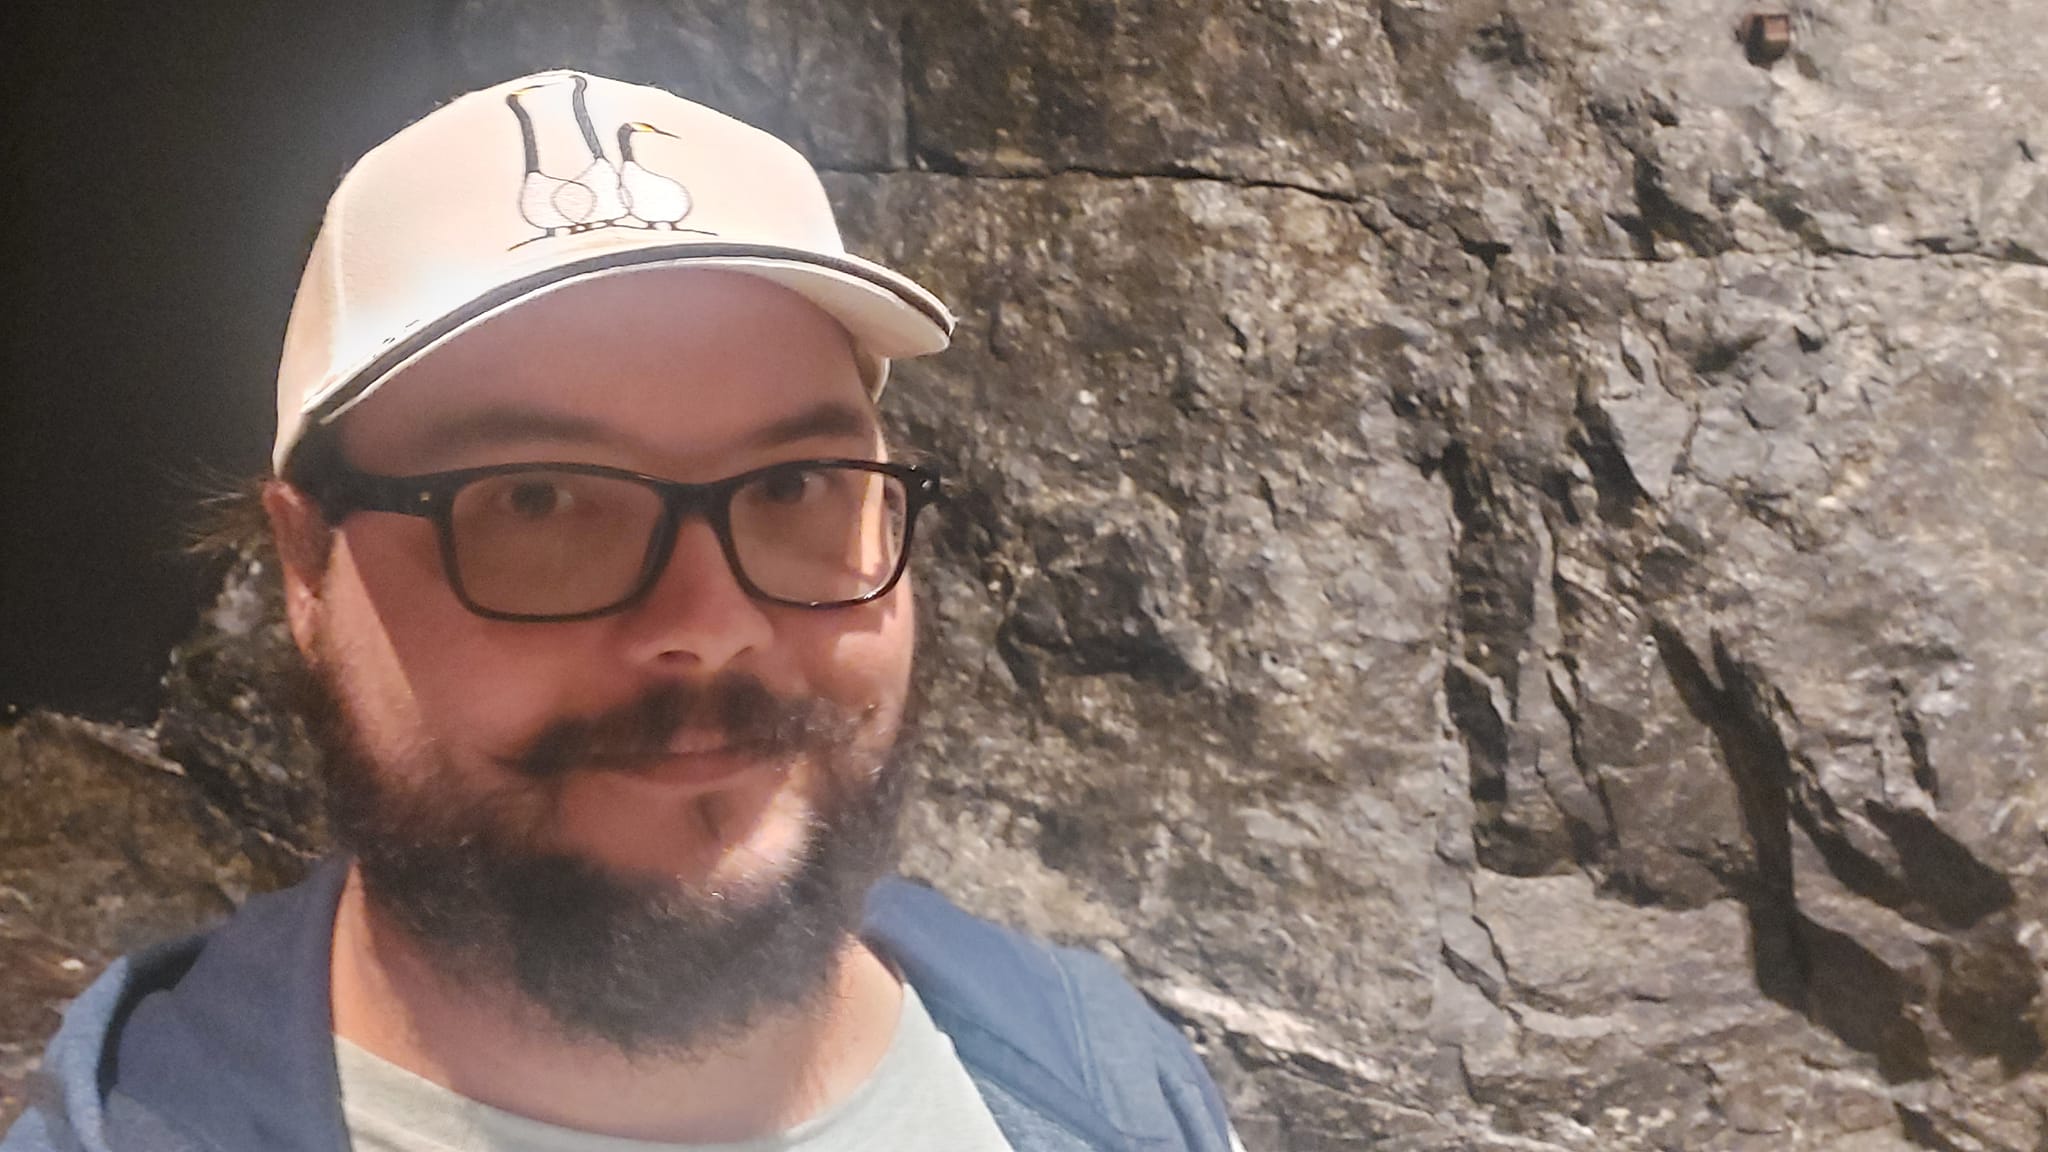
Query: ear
[[304, 544]]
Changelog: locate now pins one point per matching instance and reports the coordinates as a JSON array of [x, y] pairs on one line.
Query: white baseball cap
[[552, 180]]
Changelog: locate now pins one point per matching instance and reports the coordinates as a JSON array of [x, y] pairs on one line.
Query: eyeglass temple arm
[[345, 490]]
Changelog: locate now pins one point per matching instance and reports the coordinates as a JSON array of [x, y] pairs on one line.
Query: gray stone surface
[[1498, 561]]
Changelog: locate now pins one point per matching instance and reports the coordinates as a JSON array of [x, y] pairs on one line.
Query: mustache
[[752, 719]]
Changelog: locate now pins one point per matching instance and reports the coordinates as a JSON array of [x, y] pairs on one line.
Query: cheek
[[866, 662], [354, 645], [424, 670]]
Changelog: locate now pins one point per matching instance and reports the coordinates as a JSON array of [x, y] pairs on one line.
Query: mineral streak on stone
[[1498, 560]]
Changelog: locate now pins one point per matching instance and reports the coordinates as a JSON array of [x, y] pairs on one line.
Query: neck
[[494, 1047], [526, 139], [581, 107]]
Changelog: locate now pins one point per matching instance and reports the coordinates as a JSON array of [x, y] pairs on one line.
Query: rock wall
[[1497, 565]]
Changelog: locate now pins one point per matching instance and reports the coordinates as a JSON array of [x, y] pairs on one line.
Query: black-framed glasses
[[560, 542]]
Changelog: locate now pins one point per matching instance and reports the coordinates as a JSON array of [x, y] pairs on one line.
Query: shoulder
[[217, 1040], [1059, 1028], [1164, 1086], [70, 1108]]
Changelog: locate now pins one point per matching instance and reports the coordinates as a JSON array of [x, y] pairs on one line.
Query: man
[[595, 552]]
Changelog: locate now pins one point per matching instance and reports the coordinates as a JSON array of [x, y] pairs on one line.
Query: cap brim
[[889, 316]]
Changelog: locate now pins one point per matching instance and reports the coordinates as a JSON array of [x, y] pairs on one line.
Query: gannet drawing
[[607, 205], [607, 193], [549, 203], [653, 199]]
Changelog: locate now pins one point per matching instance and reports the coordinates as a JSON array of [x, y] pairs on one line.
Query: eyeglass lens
[[542, 542]]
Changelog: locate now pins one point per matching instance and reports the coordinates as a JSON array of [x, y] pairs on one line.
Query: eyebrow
[[831, 418], [512, 423]]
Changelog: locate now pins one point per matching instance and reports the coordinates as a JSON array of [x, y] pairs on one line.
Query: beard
[[646, 965]]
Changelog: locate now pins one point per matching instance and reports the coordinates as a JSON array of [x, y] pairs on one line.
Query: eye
[[536, 498], [789, 486]]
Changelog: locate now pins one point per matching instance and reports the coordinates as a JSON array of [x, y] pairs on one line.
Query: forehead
[[672, 368]]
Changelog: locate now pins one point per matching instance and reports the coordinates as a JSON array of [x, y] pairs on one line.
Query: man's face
[[620, 745]]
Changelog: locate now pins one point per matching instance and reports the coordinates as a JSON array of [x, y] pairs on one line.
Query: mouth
[[696, 735], [694, 759]]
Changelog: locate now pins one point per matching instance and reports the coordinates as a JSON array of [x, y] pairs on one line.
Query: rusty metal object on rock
[[1765, 37]]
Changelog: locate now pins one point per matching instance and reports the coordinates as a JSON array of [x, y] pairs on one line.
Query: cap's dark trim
[[448, 322]]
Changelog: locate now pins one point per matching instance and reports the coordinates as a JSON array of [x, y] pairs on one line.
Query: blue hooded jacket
[[222, 1042]]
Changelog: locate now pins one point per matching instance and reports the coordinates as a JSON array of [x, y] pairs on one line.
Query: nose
[[696, 618]]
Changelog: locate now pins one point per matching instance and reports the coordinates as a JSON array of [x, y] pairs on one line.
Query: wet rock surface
[[1496, 560]]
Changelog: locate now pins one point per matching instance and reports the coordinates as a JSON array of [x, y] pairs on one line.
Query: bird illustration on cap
[[605, 194], [550, 203], [654, 199], [602, 178]]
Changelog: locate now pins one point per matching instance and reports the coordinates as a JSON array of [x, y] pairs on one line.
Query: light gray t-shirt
[[919, 1099]]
